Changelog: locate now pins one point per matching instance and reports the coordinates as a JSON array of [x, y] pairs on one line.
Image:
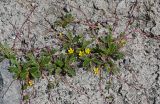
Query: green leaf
[[7, 51], [65, 20], [25, 97], [14, 62], [23, 74], [115, 70], [108, 69], [109, 39], [103, 50], [30, 64], [50, 67], [35, 72], [86, 62], [110, 63], [66, 45], [64, 24], [76, 39], [51, 70], [68, 17], [69, 36], [71, 72], [53, 51], [112, 49], [24, 87], [44, 60], [51, 85], [102, 40], [58, 70], [85, 44], [59, 63], [97, 49], [97, 61], [14, 70], [117, 56], [72, 58], [30, 56]]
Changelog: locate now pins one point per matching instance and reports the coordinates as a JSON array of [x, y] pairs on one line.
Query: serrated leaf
[[86, 62], [58, 70], [23, 74], [69, 36], [97, 61], [85, 44], [112, 49], [71, 72], [67, 19], [72, 58], [14, 70], [35, 72], [66, 45], [44, 60], [109, 39], [31, 57], [14, 62], [59, 63], [7, 51], [76, 39], [118, 56], [30, 64], [103, 50], [50, 67], [97, 49]]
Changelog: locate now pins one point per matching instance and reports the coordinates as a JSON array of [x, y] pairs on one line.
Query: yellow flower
[[81, 53], [96, 71], [60, 34], [87, 51], [30, 82], [70, 51]]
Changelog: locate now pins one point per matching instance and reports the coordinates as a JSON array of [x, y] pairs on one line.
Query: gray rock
[[9, 89], [1, 82], [1, 88]]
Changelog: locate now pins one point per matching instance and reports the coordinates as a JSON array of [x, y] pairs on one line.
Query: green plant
[[6, 52], [96, 55], [65, 20], [75, 51], [106, 52], [102, 54]]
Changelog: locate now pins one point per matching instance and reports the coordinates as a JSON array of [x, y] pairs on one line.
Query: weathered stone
[[10, 89]]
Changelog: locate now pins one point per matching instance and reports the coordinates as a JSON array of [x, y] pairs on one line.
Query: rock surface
[[9, 89], [139, 79]]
